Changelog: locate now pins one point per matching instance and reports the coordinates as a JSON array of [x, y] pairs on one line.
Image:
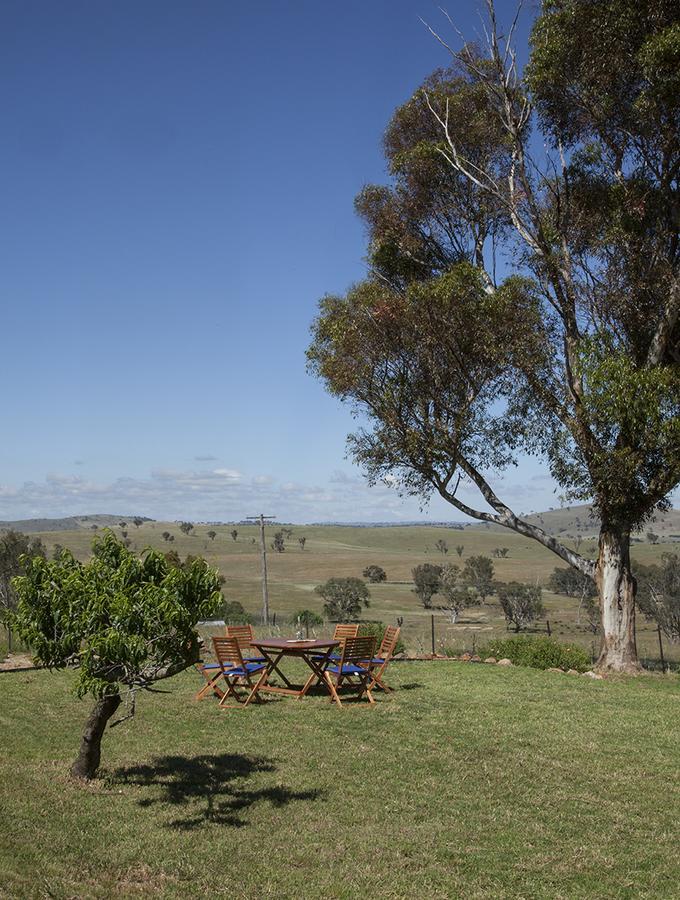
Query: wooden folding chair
[[353, 670], [244, 635], [383, 656], [212, 672], [342, 631], [235, 671]]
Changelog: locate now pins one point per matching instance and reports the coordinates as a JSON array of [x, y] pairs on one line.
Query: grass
[[470, 781], [345, 550]]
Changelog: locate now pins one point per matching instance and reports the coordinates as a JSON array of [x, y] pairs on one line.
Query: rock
[[504, 662], [572, 672], [594, 675], [491, 659], [475, 658], [466, 657], [553, 669]]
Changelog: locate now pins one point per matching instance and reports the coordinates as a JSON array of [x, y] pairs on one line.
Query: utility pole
[[265, 593]]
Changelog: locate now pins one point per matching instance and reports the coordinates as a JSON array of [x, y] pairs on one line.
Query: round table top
[[293, 644]]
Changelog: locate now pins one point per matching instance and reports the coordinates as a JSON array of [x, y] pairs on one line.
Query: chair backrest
[[389, 641], [345, 631], [227, 651], [242, 633], [356, 649]]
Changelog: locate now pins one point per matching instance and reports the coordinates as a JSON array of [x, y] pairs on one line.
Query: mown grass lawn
[[470, 781]]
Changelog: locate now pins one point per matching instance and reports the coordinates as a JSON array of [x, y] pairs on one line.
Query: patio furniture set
[[347, 664]]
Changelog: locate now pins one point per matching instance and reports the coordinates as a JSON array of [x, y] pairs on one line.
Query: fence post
[[432, 618], [547, 625]]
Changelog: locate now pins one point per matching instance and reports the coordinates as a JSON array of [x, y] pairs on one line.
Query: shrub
[[375, 574], [538, 652], [235, 614], [377, 630]]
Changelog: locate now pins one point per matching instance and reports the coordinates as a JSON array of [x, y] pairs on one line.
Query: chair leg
[[211, 685], [331, 687]]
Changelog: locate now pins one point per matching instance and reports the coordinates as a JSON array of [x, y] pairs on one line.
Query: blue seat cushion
[[376, 661], [254, 659], [238, 672], [347, 669]]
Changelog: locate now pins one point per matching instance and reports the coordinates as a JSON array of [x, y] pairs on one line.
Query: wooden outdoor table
[[274, 649]]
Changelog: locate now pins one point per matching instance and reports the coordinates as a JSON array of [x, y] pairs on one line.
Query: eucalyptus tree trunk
[[87, 761], [617, 587]]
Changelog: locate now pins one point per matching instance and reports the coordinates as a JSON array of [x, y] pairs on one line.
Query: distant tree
[[521, 603], [442, 546], [572, 583], [16, 550], [302, 541], [478, 573], [591, 610], [577, 541], [374, 574], [287, 533], [459, 550], [94, 527], [458, 594], [212, 535], [279, 543], [166, 535], [137, 521], [186, 527], [426, 578], [171, 538], [659, 594], [234, 534], [500, 552], [123, 622], [123, 534], [343, 598], [652, 538], [123, 524]]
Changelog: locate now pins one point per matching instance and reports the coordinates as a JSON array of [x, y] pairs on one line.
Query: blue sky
[[177, 186]]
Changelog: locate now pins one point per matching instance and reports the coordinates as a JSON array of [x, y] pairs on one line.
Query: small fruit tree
[[125, 622]]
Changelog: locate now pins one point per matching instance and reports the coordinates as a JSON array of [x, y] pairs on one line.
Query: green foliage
[[377, 630], [427, 582], [659, 594], [479, 573], [279, 542], [186, 527], [119, 619], [538, 653], [307, 618], [572, 583], [16, 549], [343, 598], [212, 534], [233, 613], [234, 534], [521, 603], [458, 594], [374, 574]]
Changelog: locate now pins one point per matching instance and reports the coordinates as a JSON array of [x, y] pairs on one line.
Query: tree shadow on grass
[[209, 786]]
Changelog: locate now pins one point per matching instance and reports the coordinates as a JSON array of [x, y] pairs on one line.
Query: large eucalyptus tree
[[524, 287]]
